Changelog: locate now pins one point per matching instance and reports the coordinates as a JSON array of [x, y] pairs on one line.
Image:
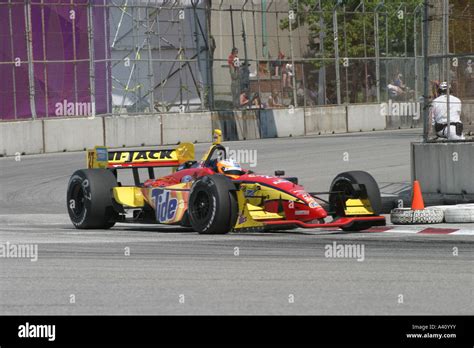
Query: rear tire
[[213, 207], [344, 182], [89, 199]]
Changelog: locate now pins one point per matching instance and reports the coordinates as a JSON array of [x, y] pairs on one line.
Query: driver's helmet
[[230, 168]]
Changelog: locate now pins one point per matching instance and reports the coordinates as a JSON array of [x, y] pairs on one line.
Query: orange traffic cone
[[417, 199]]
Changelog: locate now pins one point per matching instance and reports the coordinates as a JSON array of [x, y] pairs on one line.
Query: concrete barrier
[[132, 130], [193, 127], [365, 118], [237, 125], [325, 119], [73, 134], [281, 122], [401, 115], [444, 168], [21, 136], [403, 122], [467, 116]]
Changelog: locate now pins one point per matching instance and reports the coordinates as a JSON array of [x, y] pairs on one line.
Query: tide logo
[[166, 207]]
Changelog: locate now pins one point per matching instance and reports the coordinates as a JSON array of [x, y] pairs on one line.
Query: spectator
[[312, 94], [439, 114], [278, 63], [371, 88], [300, 94], [274, 100], [256, 103], [399, 82], [212, 49], [469, 76], [245, 77], [287, 75], [244, 100], [234, 69]]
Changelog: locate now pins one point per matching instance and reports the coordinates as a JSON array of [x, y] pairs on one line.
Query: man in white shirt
[[439, 114]]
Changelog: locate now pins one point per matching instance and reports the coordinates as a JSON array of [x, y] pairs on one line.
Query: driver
[[230, 168]]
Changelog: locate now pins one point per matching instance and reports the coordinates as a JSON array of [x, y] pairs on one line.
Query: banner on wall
[[61, 83]]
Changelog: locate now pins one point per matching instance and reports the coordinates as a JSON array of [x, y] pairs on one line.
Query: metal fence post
[[90, 31], [293, 78], [336, 55], [426, 68], [10, 24], [377, 55], [446, 60], [29, 52]]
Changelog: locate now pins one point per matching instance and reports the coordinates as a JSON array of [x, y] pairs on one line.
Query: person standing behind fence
[[439, 114], [234, 69], [278, 63], [274, 100], [469, 78], [245, 76], [287, 75]]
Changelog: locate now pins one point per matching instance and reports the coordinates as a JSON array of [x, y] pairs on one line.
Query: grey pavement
[[399, 274]]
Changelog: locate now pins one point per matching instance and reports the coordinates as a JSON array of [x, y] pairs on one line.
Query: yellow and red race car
[[213, 195]]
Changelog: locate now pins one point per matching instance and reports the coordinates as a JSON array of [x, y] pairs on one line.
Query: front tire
[[344, 182], [213, 207], [89, 199]]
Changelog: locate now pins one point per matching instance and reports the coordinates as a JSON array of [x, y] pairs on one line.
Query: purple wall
[[64, 39]]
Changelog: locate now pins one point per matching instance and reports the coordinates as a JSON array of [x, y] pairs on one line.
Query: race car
[[213, 195]]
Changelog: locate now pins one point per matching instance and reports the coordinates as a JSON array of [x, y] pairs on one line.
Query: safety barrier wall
[[75, 134], [276, 123], [237, 125], [324, 120], [21, 137], [72, 134], [400, 114], [444, 168], [121, 131], [195, 127], [402, 122], [364, 118]]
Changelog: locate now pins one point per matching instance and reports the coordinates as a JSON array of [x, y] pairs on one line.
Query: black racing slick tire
[[212, 206], [90, 200], [345, 181]]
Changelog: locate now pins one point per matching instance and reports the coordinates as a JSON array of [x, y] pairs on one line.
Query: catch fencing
[[63, 58]]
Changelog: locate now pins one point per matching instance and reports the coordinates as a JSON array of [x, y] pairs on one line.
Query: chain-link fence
[[318, 52], [449, 55], [84, 57]]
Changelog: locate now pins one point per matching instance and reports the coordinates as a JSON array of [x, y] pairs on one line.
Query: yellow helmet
[[229, 168]]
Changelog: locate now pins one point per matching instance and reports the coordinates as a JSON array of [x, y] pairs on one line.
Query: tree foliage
[[356, 28]]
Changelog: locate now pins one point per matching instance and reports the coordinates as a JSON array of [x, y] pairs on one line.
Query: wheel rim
[[77, 194], [201, 205]]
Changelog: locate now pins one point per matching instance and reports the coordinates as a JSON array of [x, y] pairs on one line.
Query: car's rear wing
[[101, 157]]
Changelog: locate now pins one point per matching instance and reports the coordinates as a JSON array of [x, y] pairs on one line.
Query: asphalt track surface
[[283, 272]]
